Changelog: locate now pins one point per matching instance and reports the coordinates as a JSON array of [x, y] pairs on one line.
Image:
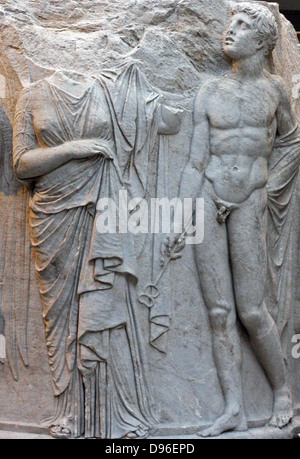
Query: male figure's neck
[[250, 68]]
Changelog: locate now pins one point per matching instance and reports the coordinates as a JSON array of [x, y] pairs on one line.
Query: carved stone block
[[117, 119]]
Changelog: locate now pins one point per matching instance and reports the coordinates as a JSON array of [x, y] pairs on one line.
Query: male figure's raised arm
[[286, 120], [285, 160]]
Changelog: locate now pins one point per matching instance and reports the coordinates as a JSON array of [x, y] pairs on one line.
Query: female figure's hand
[[90, 147], [41, 161]]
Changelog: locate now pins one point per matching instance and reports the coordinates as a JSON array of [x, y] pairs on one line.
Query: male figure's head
[[252, 31]]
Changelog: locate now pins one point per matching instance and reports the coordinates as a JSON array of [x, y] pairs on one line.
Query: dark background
[[291, 10]]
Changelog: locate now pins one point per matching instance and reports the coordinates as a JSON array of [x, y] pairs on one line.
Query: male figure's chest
[[233, 106]]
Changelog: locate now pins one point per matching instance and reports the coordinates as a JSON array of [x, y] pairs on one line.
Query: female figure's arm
[[170, 121], [30, 161]]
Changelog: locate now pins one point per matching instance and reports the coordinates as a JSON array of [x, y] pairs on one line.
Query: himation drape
[[87, 279]]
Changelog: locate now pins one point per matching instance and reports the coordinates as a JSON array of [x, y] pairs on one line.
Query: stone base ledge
[[259, 433]]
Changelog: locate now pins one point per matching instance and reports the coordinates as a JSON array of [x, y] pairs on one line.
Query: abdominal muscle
[[235, 177], [239, 161]]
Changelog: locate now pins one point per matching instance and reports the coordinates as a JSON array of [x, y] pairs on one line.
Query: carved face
[[240, 40]]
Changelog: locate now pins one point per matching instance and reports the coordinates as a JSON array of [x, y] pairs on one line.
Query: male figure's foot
[[233, 418], [283, 408], [63, 429]]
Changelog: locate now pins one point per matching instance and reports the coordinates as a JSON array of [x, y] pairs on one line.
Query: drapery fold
[[282, 183]]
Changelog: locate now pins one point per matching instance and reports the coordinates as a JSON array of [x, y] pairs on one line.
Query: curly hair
[[265, 22]]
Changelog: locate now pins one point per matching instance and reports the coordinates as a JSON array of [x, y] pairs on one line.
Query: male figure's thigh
[[247, 231], [212, 257]]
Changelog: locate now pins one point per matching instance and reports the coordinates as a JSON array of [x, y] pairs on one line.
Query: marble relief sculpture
[[77, 139], [244, 162], [132, 334]]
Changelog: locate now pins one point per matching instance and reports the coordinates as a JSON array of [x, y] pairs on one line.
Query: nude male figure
[[236, 120]]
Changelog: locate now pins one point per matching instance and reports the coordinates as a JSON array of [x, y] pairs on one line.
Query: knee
[[219, 316], [251, 318]]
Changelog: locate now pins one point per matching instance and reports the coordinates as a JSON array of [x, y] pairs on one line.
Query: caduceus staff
[[151, 294]]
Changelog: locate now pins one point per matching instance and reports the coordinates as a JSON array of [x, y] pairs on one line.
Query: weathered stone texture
[[177, 44]]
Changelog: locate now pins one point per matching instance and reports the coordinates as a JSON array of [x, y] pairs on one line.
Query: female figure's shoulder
[[28, 92]]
